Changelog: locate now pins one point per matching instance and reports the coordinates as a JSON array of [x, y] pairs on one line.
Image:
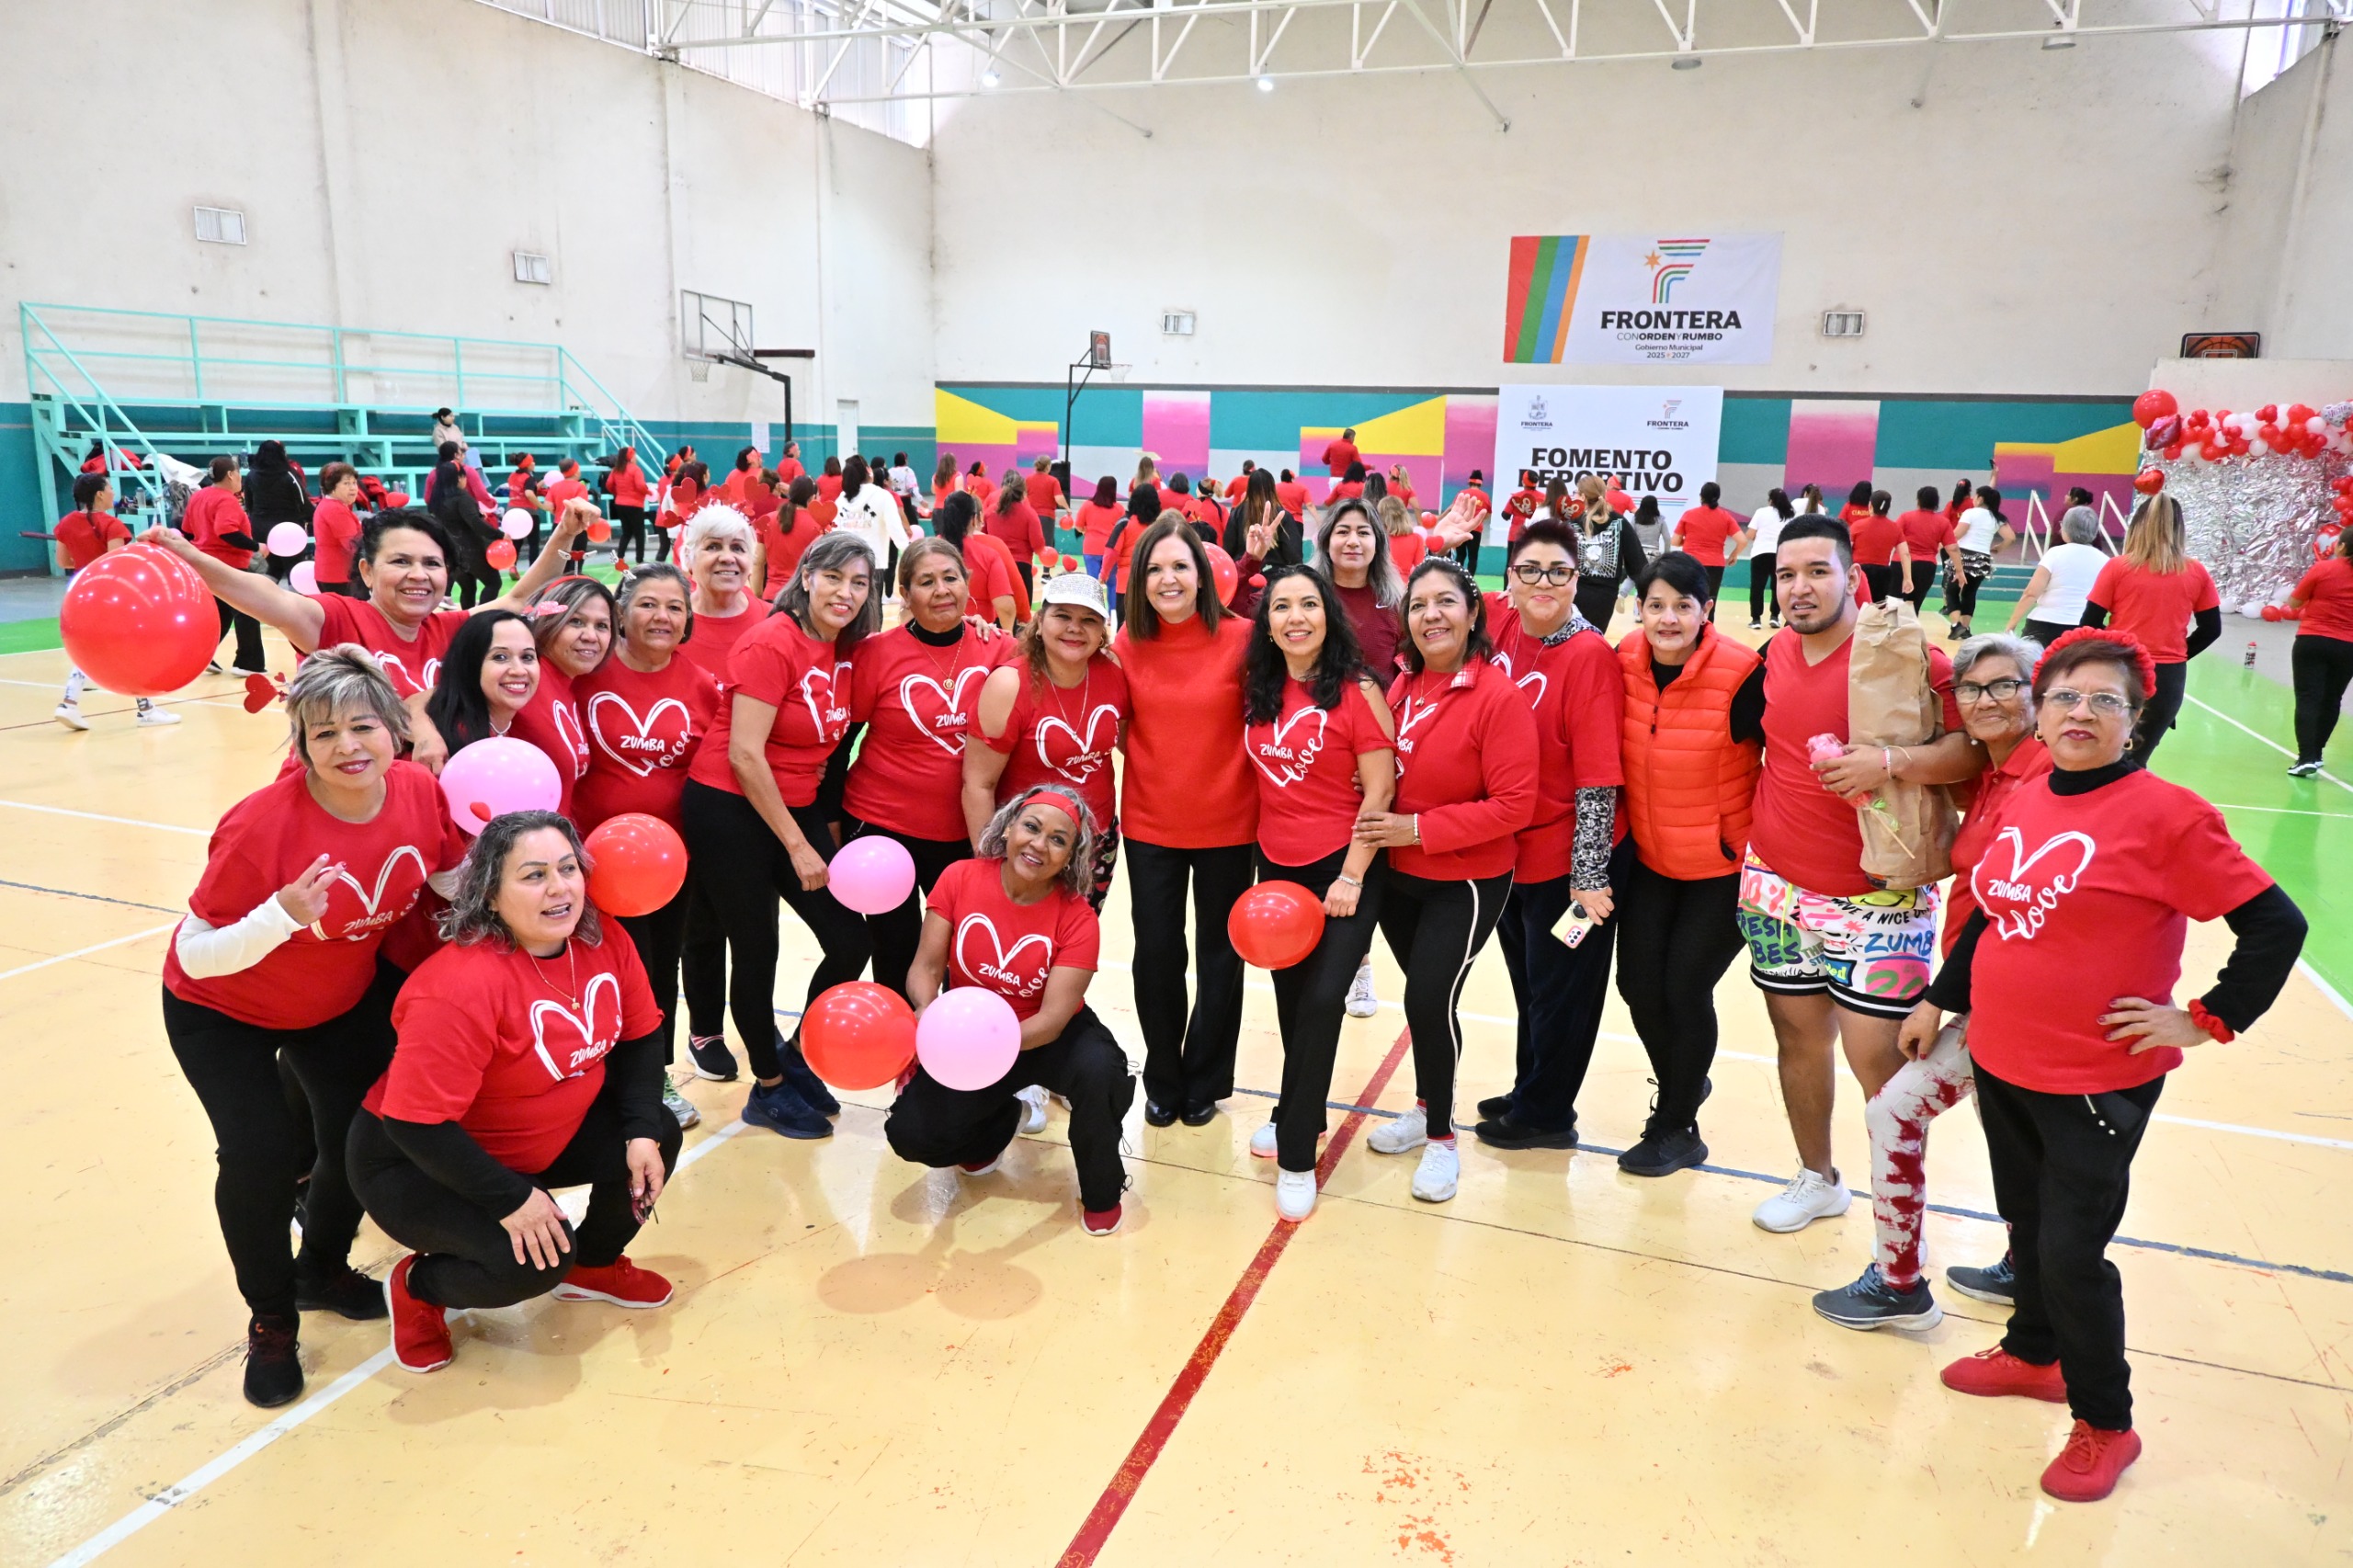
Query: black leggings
[[632, 530], [1434, 930], [931, 1124], [472, 577], [1188, 1062], [1675, 940], [1886, 582], [659, 938], [2323, 667], [1311, 1001], [1597, 600], [1960, 593], [234, 1069], [249, 653], [1558, 992], [897, 935], [743, 868], [1760, 588], [466, 1257], [2157, 715], [702, 966]]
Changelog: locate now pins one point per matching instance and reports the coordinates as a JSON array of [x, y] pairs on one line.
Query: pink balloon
[[495, 775], [304, 578], [288, 538], [968, 1038], [517, 523], [873, 875]]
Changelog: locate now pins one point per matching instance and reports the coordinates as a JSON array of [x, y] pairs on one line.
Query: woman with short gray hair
[[2053, 601]]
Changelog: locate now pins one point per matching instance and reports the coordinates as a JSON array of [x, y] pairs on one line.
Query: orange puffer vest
[[1689, 784]]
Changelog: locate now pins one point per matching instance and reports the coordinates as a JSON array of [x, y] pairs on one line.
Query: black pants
[[1760, 588], [2046, 631], [1960, 593], [1886, 582], [931, 1124], [1675, 941], [1188, 1061], [743, 869], [2062, 1167], [2157, 715], [1434, 930], [632, 530], [1311, 1001], [259, 1143], [1715, 582], [1028, 579], [660, 936], [2323, 666], [897, 935], [466, 1258], [472, 577], [1597, 600], [249, 653], [1924, 578], [1558, 991], [702, 966]]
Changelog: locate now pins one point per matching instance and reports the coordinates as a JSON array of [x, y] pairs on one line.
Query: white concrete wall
[[2288, 219], [389, 157]]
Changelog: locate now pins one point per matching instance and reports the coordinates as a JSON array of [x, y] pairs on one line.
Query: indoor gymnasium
[[674, 883]]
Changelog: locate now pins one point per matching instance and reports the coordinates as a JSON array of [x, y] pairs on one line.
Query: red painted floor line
[[1104, 1518]]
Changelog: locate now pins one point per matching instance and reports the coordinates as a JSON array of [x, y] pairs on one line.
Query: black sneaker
[[1664, 1153], [1507, 1132], [1200, 1115], [1871, 1302], [1495, 1106], [1997, 1282], [803, 1078], [1158, 1115], [777, 1108], [347, 1293], [273, 1361], [712, 1058]]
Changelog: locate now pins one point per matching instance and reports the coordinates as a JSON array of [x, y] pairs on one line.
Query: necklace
[[572, 970]]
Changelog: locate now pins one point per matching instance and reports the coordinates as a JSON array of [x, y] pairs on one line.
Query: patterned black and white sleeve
[[1596, 815]]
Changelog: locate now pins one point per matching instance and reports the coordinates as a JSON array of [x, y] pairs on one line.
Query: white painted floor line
[[2324, 988], [84, 952], [99, 816], [2266, 740], [204, 1475], [2283, 811]]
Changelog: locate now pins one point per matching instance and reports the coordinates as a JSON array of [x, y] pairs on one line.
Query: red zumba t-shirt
[[1010, 948], [1704, 531], [643, 728], [1058, 737], [550, 721], [1577, 694], [83, 537], [2089, 898], [2157, 607], [269, 838], [1927, 533], [807, 684], [917, 702], [713, 642], [1875, 539], [1305, 763], [503, 1045], [2030, 761], [2327, 593], [411, 664]]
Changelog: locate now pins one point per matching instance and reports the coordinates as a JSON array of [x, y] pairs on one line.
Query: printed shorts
[[1868, 953]]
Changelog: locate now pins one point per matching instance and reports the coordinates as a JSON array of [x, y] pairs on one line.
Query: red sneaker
[[979, 1167], [620, 1282], [1991, 1373], [2088, 1468], [1100, 1221], [420, 1329]]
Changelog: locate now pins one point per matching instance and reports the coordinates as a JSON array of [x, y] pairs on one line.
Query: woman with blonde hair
[[2154, 590]]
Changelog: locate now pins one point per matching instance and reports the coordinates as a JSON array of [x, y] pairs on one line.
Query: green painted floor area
[[29, 636]]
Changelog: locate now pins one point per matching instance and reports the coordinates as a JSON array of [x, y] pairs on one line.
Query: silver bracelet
[[1352, 882]]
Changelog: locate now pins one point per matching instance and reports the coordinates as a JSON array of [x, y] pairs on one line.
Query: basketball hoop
[[1099, 350], [1116, 372], [699, 369]]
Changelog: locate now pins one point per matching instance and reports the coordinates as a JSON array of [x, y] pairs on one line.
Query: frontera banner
[[1654, 440], [1642, 298]]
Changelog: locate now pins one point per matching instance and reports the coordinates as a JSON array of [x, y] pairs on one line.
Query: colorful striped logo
[[1671, 262], [1545, 269]]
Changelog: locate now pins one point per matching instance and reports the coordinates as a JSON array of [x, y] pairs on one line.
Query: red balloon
[[2271, 612], [138, 621], [395, 497], [859, 1035], [2300, 412], [640, 864], [1048, 561], [599, 532], [2210, 452], [501, 553], [2270, 435], [2342, 484], [2149, 481], [1275, 925], [2268, 415], [1223, 576], [2153, 405], [2172, 451]]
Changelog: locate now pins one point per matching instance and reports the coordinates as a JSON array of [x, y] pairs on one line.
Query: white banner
[[1698, 300], [1654, 440]]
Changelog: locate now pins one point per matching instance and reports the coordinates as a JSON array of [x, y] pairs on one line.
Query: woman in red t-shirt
[[785, 532], [572, 625], [1881, 550], [1013, 522], [1190, 819], [487, 678], [1858, 504], [626, 482], [1016, 921], [977, 481], [2155, 592], [1466, 785], [2067, 970], [334, 529], [996, 587], [1401, 484], [915, 688], [1319, 739], [2322, 659], [756, 829], [276, 966], [83, 535], [527, 1061], [945, 479], [1096, 517]]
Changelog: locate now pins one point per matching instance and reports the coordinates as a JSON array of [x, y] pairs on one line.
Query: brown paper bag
[[1907, 828]]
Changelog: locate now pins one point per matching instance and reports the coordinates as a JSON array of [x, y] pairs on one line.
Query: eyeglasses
[[1552, 576], [1999, 690], [2106, 704]]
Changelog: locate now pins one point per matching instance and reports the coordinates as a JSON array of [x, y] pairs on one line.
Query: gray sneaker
[[1871, 1302], [679, 1106]]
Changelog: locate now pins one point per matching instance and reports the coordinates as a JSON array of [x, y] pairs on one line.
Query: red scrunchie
[[2222, 1031]]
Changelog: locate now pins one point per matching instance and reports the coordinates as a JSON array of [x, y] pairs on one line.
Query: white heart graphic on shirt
[[397, 673], [2018, 906], [1534, 697], [829, 717], [999, 966], [641, 730], [1297, 759], [1087, 755], [952, 717], [591, 1049], [354, 930], [567, 729]]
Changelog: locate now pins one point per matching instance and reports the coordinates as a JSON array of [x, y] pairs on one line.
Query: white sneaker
[[1033, 1110], [69, 715], [1433, 1179], [1294, 1195], [1403, 1135], [1362, 1002], [242, 670], [1262, 1143], [681, 1107], [157, 716], [1808, 1198]]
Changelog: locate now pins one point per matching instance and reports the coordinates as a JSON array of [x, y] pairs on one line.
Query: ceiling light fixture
[[2060, 41], [1266, 84], [990, 78], [1688, 62]]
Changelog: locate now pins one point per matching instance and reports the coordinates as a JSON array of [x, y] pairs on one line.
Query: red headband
[[2142, 661]]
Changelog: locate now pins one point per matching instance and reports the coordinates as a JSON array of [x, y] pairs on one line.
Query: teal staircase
[[197, 387]]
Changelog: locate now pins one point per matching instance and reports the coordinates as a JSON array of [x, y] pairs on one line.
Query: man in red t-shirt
[[1927, 533], [1339, 454], [84, 535], [1840, 960]]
